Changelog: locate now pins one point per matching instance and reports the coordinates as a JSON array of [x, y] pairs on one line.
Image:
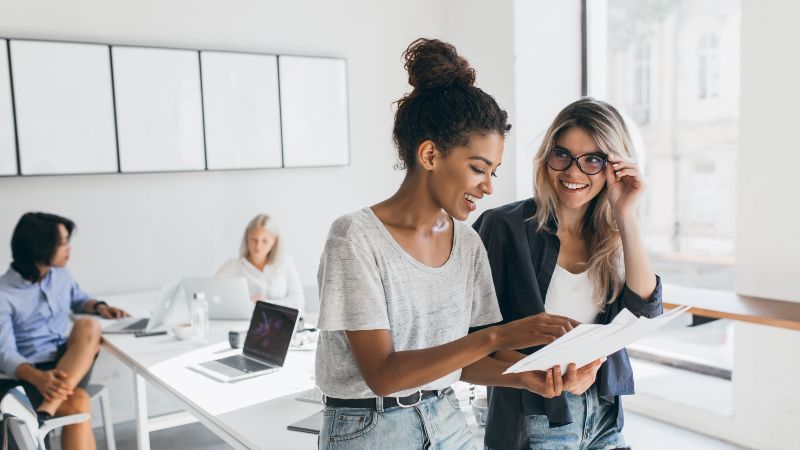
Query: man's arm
[[13, 364], [50, 383], [103, 310], [82, 303], [10, 359]]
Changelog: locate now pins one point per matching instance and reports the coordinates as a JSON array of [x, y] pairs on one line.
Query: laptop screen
[[270, 332]]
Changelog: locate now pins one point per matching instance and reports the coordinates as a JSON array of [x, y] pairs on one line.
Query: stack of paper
[[588, 342]]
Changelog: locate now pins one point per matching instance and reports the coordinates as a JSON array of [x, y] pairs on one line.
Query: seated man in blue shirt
[[36, 296]]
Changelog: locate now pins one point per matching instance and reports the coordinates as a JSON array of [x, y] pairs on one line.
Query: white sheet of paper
[[588, 342]]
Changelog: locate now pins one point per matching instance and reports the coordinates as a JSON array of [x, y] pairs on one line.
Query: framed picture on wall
[[159, 109], [314, 111], [8, 146], [64, 107], [242, 110]]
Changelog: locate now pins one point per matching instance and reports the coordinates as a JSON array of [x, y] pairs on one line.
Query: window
[[661, 62], [708, 67], [672, 67], [640, 109]]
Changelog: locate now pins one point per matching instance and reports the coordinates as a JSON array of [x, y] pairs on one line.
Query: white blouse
[[570, 295], [278, 283]]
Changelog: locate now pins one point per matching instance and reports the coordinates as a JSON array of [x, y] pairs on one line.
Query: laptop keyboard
[[243, 364], [140, 324]]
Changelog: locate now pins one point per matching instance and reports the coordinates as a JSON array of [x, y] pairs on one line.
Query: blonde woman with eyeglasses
[[270, 272], [574, 250]]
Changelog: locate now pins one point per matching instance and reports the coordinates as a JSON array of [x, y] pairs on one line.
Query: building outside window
[[708, 66], [672, 67]]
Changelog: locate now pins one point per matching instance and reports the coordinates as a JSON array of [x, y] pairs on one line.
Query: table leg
[[140, 397]]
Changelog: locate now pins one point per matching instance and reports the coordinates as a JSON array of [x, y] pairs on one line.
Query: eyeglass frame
[[576, 160]]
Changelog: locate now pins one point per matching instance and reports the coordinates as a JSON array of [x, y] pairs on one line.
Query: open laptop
[[228, 298], [163, 305], [265, 347]]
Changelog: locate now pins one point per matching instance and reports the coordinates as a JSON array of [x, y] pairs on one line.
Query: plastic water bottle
[[200, 323]]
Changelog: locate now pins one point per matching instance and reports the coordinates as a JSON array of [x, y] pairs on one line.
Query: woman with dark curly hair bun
[[403, 281]]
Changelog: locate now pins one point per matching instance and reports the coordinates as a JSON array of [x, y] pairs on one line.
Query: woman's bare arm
[[387, 371]]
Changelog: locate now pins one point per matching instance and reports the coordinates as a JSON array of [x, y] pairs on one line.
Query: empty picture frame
[[159, 109], [241, 110], [8, 146], [314, 111], [64, 107]]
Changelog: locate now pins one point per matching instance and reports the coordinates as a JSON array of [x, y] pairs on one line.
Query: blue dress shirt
[[34, 317]]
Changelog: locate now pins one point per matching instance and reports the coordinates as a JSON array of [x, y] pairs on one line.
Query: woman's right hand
[[548, 384], [52, 384], [532, 331]]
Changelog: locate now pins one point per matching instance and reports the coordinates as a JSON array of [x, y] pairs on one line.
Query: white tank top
[[570, 295]]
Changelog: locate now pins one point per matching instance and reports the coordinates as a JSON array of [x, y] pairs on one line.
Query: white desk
[[249, 414]]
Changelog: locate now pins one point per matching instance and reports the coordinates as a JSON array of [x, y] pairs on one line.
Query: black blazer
[[523, 260]]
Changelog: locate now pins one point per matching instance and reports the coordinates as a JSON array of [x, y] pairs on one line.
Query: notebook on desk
[[310, 424], [265, 347]]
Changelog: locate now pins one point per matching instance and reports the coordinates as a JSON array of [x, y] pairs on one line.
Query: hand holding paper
[[589, 342]]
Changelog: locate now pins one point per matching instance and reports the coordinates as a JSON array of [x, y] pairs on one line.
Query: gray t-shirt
[[368, 282]]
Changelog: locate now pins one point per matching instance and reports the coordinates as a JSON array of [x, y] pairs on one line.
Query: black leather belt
[[388, 402]]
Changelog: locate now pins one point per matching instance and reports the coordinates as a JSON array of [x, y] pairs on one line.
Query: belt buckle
[[400, 404]]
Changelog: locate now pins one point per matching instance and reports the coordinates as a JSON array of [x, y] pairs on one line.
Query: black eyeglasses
[[591, 164]]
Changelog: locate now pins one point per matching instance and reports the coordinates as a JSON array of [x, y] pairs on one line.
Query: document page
[[588, 342]]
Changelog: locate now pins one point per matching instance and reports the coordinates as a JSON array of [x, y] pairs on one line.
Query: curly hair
[[445, 106]]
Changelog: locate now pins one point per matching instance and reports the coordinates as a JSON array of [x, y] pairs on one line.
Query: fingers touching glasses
[[561, 159]]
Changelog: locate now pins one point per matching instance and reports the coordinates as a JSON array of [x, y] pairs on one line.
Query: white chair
[[16, 435], [100, 393], [17, 405]]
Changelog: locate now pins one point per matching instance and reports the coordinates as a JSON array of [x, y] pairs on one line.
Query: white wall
[[484, 33], [767, 240], [547, 43], [139, 231]]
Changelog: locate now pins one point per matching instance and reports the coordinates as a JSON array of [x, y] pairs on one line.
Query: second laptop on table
[[265, 348]]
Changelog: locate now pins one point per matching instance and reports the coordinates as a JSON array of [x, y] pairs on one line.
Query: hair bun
[[433, 64]]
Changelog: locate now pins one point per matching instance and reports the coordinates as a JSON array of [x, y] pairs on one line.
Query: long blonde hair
[[599, 229], [263, 221]]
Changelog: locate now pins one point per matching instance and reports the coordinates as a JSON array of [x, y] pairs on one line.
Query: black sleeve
[[650, 307], [493, 241]]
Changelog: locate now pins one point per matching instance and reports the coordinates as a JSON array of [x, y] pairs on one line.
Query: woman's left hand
[[579, 380], [625, 187]]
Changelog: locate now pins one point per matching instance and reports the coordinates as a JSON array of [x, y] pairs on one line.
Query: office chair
[[15, 434], [18, 411], [100, 393]]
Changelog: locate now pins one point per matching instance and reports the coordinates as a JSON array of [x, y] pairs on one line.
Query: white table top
[[254, 411]]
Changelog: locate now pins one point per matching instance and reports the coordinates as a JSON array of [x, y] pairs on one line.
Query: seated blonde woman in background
[[271, 274]]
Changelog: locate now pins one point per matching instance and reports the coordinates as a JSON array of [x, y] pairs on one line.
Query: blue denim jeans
[[594, 426], [435, 423]]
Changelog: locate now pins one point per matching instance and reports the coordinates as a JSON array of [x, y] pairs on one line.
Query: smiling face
[[464, 175], [63, 248], [574, 188]]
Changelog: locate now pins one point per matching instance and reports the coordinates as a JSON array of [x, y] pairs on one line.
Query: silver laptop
[[265, 348], [164, 304], [228, 298]]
